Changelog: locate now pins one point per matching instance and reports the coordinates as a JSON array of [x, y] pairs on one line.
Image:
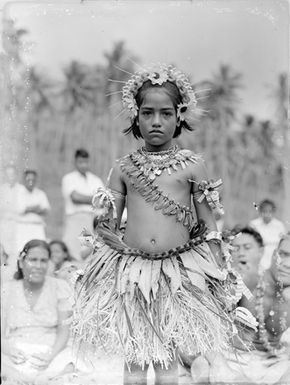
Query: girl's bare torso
[[149, 229]]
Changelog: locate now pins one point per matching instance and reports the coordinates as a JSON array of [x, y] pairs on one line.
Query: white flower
[[181, 111], [158, 75]]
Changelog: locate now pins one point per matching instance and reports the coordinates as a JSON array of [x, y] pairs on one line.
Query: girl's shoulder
[[122, 164], [123, 159], [189, 155], [194, 161], [116, 171]]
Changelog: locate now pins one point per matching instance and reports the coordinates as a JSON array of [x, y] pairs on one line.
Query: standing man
[[78, 188], [270, 228], [9, 211], [33, 207]]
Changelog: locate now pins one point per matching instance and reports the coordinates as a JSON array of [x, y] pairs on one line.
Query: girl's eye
[[146, 113], [167, 113]]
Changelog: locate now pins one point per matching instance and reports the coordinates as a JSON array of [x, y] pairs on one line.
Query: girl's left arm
[[203, 210]]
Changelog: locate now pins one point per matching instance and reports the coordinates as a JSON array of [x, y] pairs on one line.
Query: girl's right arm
[[117, 187]]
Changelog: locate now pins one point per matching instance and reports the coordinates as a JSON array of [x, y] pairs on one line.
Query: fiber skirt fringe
[[145, 308]]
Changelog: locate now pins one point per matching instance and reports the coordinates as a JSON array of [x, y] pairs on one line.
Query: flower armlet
[[207, 189], [214, 235], [117, 194], [104, 203]]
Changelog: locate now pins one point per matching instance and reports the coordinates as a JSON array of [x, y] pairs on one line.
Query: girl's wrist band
[[214, 235]]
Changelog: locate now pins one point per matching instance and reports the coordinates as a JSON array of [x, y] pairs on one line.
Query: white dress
[[33, 330]]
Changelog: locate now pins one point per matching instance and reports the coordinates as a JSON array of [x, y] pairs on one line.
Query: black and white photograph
[[145, 192]]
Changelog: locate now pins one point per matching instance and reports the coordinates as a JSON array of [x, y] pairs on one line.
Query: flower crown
[[160, 74]]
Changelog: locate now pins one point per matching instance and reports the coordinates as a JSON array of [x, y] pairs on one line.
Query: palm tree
[[120, 65], [78, 97], [81, 83], [221, 107], [12, 69]]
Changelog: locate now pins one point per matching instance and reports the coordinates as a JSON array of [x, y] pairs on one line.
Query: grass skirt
[[145, 308]]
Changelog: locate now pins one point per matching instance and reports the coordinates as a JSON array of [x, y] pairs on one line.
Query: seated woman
[[61, 264], [34, 328], [269, 361]]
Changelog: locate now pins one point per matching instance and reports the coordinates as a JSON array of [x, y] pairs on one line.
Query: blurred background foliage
[[43, 121]]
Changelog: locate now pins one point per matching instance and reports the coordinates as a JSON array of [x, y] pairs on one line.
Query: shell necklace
[[152, 164]]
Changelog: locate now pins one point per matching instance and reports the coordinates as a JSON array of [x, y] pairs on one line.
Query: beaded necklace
[[262, 332], [152, 164]]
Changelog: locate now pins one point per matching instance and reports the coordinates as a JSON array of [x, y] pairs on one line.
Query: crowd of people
[[201, 302], [37, 273]]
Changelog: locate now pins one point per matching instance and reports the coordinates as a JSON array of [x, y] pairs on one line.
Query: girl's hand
[[17, 356], [40, 361]]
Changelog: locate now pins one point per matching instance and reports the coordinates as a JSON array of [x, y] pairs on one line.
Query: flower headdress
[[160, 74]]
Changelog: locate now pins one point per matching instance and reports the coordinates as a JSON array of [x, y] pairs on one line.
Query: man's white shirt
[[271, 233], [86, 185], [27, 198]]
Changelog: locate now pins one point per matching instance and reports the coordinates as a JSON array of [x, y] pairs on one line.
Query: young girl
[[165, 283]]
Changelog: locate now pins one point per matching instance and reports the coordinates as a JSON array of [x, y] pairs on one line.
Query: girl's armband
[[104, 203], [117, 194], [207, 190], [214, 235]]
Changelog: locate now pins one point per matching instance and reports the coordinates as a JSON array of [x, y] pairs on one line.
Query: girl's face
[[57, 254], [35, 264], [157, 119]]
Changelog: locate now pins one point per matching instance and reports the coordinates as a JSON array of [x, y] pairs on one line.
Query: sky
[[197, 36]]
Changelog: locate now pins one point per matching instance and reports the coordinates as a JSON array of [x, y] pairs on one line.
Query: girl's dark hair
[[250, 231], [64, 248], [174, 94], [28, 246]]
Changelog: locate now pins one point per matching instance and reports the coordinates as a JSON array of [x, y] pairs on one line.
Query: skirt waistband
[[165, 254]]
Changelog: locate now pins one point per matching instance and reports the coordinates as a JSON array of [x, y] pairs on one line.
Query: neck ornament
[[153, 164], [142, 178]]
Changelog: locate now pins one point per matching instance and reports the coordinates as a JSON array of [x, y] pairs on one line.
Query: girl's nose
[[156, 120]]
